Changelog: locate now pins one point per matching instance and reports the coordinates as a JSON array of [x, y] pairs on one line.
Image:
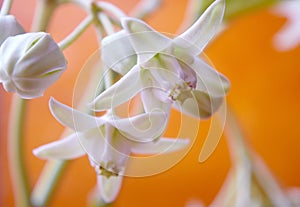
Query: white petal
[[145, 40], [143, 127], [41, 54], [72, 118], [161, 146], [202, 31], [122, 91], [109, 187], [200, 106], [121, 59], [93, 142], [209, 80], [66, 148], [9, 26], [151, 103]]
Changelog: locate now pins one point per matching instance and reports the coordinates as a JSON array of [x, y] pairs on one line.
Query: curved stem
[[76, 33], [43, 13], [44, 188], [6, 6], [15, 151]]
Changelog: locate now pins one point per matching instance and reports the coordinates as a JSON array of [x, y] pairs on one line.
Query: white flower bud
[[9, 27], [30, 63]]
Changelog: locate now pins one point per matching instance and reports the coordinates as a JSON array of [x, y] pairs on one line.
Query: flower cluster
[[166, 72]]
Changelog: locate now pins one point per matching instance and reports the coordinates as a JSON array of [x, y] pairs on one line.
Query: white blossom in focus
[[30, 63], [108, 141], [166, 71], [9, 26]]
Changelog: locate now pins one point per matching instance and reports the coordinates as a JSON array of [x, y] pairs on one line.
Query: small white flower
[[9, 26], [166, 71], [108, 140], [30, 63]]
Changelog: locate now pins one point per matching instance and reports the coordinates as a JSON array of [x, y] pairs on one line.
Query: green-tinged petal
[[152, 103], [145, 40], [202, 31], [161, 146], [143, 127], [122, 91], [40, 53], [109, 187], [66, 148], [201, 105], [117, 52], [209, 80], [72, 118]]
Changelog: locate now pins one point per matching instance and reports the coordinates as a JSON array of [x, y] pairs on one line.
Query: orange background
[[264, 95]]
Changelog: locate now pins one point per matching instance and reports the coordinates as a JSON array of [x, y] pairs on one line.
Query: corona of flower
[[167, 71], [30, 63], [9, 26], [108, 141]]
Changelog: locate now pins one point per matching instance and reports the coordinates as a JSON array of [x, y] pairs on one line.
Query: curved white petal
[[123, 90], [93, 142], [121, 59], [145, 40], [109, 187], [161, 146], [209, 80], [202, 31], [143, 127], [66, 148], [200, 105], [73, 118]]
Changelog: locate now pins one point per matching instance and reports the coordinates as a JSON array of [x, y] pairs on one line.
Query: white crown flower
[[9, 26], [30, 63], [166, 71], [108, 140]]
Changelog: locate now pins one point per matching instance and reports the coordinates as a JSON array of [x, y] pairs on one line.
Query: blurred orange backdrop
[[264, 95]]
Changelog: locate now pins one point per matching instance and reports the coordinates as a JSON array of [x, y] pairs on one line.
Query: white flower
[[30, 63], [165, 70], [108, 141], [288, 37], [9, 26]]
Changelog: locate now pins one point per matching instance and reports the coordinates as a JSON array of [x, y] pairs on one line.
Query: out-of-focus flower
[[30, 63], [9, 26], [249, 183], [108, 140], [288, 37], [167, 70], [252, 185]]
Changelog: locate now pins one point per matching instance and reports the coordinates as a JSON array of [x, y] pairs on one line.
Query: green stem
[[76, 33], [6, 6], [43, 13], [18, 173], [44, 188]]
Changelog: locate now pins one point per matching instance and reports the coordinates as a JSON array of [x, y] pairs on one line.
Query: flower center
[[108, 169], [180, 92]]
